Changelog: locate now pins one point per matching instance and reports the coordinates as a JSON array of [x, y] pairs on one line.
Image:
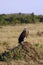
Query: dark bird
[[24, 34]]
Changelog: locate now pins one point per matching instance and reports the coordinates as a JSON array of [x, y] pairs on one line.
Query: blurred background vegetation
[[6, 19]]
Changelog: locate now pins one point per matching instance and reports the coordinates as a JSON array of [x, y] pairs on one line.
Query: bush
[[19, 18]]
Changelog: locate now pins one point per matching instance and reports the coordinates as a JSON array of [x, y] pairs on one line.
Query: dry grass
[[10, 34], [9, 38]]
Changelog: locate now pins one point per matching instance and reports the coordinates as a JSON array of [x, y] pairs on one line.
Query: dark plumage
[[22, 36]]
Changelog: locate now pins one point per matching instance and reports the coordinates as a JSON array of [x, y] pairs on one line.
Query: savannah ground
[[9, 35]]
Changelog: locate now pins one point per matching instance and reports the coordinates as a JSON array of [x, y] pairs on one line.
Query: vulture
[[24, 34]]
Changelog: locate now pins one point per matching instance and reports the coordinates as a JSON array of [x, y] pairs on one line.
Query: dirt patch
[[25, 52]]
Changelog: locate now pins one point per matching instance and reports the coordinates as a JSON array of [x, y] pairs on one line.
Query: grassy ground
[[10, 34], [9, 38]]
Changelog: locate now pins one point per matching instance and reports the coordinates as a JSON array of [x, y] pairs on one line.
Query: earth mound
[[25, 52]]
